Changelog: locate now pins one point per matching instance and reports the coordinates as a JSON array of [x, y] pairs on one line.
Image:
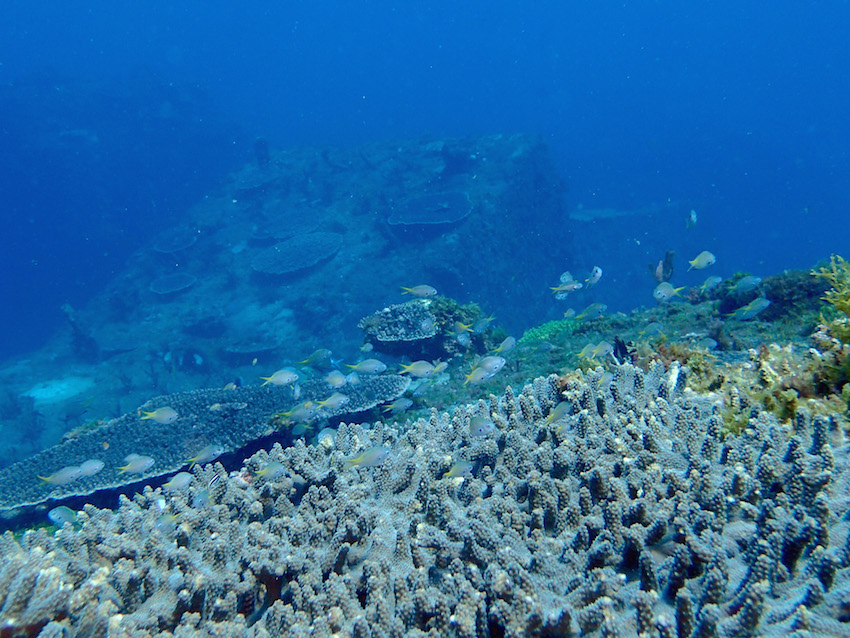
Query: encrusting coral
[[600, 507]]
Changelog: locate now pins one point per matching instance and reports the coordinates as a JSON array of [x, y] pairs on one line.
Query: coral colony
[[188, 469]]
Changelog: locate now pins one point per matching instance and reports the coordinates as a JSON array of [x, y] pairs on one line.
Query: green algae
[[547, 331], [837, 275]]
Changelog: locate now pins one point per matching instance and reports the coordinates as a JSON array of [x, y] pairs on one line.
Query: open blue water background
[[116, 116]]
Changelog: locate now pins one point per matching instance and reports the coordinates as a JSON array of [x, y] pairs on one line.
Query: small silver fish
[[593, 311], [710, 283], [491, 363], [368, 366], [272, 471], [336, 400], [703, 260], [478, 375], [67, 474], [567, 285], [375, 455], [745, 313], [558, 413], [61, 515], [594, 277], [91, 467], [460, 468], [335, 379], [480, 426], [166, 523], [136, 464], [207, 454], [178, 482], [506, 346], [281, 377], [164, 415], [418, 369], [746, 284], [398, 406], [422, 290], [482, 324], [665, 292]]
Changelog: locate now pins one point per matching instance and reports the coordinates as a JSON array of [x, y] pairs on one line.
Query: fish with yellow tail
[[336, 400], [375, 455], [207, 454], [418, 369], [506, 346], [478, 375], [281, 377], [66, 475], [566, 285], [317, 359], [703, 260], [594, 277], [369, 366], [136, 464], [398, 406], [458, 470], [665, 291], [422, 290], [745, 313], [593, 311], [163, 415]]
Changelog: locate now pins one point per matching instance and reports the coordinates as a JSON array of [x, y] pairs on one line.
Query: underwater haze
[[116, 117]]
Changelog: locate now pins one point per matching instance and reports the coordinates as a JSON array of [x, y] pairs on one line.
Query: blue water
[[116, 116]]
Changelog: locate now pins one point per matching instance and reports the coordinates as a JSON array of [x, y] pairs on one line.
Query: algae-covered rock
[[837, 275]]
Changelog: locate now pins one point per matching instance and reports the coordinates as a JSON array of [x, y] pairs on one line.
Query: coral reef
[[426, 328], [410, 321], [168, 284], [605, 508], [231, 315], [431, 209], [227, 418], [297, 253]]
